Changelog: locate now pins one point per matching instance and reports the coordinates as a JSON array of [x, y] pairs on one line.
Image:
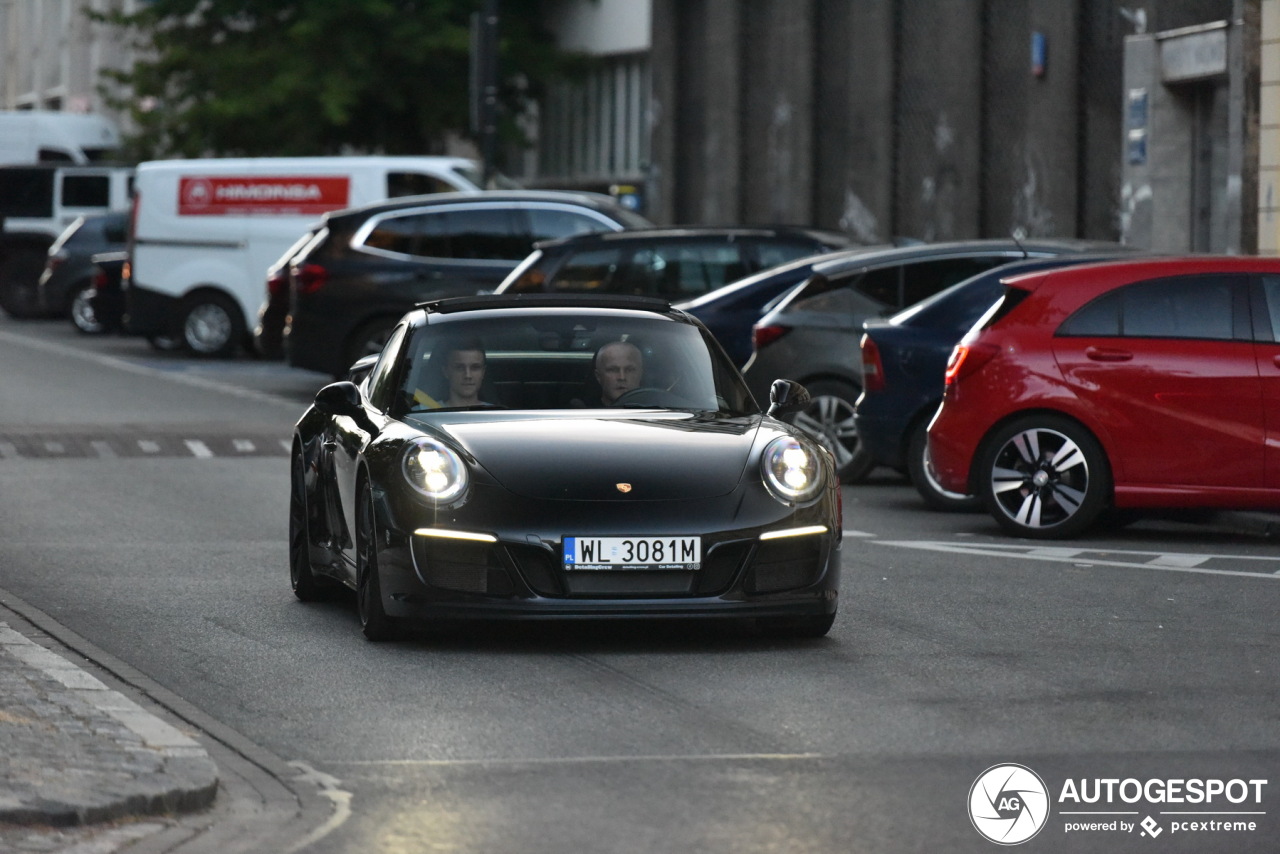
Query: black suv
[[671, 263], [367, 266]]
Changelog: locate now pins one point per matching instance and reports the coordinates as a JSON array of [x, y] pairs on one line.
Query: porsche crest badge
[[623, 487]]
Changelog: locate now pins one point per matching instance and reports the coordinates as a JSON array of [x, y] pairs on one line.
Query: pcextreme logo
[[1008, 804]]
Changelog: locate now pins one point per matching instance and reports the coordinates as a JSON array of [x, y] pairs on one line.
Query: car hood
[[661, 456]]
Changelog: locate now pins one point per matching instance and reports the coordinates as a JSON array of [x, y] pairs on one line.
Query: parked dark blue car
[[729, 312], [904, 358]]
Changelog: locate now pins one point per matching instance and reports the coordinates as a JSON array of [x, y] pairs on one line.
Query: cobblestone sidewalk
[[74, 752]]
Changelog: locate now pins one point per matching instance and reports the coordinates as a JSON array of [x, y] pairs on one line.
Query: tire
[[829, 419], [19, 283], [374, 622], [212, 325], [815, 626], [368, 338], [1043, 477], [925, 483], [307, 586], [82, 315]]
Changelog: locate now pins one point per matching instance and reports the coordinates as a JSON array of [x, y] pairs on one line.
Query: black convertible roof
[[492, 301]]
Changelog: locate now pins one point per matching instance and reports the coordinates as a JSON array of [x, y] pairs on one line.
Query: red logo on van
[[283, 194]]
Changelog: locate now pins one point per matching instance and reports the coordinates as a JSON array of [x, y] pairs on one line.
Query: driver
[[461, 366], [619, 369]]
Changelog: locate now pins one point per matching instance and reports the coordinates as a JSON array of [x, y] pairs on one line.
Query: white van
[[47, 136], [37, 203], [204, 232]]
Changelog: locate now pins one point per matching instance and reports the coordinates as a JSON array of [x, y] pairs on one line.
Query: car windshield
[[540, 359]]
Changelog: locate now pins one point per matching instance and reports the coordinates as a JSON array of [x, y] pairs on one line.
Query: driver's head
[[619, 369]]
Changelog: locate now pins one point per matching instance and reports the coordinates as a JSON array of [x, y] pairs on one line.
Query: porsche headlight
[[435, 470], [792, 472]]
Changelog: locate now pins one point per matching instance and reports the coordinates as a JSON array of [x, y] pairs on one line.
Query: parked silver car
[[812, 333]]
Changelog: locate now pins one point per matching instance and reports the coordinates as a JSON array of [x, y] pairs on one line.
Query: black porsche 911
[[544, 456]]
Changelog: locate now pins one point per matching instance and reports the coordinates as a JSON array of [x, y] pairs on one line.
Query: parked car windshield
[[544, 359]]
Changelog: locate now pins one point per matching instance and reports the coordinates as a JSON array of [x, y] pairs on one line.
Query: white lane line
[[848, 533], [103, 449], [243, 446], [586, 760], [1179, 560], [148, 447], [1054, 552], [55, 447], [198, 448], [286, 444], [1095, 557], [329, 788]]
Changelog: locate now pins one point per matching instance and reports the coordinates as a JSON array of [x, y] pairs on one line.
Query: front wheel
[[19, 283], [374, 622], [829, 419], [926, 484], [1044, 477], [307, 586]]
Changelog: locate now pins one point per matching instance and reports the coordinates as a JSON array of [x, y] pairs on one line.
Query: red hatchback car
[[1151, 383]]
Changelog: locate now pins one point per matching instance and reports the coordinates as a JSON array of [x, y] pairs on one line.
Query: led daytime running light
[[441, 533], [806, 531]]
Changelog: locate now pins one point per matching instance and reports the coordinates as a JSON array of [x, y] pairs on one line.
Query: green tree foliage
[[306, 77]]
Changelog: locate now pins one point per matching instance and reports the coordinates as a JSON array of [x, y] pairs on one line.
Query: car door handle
[[1105, 354]]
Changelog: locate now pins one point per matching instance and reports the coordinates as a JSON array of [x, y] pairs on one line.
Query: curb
[[74, 752], [1254, 522]]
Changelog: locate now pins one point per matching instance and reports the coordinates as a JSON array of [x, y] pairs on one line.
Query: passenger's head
[[619, 369]]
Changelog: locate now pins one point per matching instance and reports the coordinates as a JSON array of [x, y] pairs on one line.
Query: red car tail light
[[872, 367], [763, 336], [966, 359], [100, 280], [310, 278], [277, 283]]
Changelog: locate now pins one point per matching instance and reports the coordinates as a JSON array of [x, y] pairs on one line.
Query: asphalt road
[[143, 502]]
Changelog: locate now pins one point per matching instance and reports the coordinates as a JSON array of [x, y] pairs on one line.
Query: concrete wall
[[1269, 131], [885, 118], [1186, 194]]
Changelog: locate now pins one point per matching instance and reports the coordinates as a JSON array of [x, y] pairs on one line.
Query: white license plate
[[632, 553]]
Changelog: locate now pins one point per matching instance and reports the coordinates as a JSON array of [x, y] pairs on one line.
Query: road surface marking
[[1163, 561], [198, 448]]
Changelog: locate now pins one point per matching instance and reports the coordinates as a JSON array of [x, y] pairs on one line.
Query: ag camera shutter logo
[[1008, 804]]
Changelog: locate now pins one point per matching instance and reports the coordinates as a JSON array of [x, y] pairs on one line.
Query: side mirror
[[786, 397], [340, 398]]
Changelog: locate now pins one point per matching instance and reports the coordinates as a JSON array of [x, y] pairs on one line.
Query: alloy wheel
[[208, 328], [1046, 477]]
